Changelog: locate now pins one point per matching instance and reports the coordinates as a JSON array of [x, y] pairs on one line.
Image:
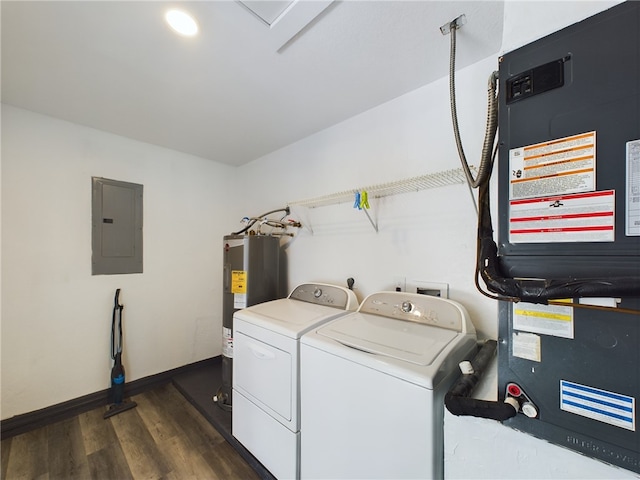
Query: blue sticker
[[608, 407]]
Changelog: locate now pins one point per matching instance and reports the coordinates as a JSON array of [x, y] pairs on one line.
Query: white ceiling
[[240, 89]]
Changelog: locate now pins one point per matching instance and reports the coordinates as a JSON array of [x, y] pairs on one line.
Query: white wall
[[526, 21], [428, 235], [56, 316], [485, 449]]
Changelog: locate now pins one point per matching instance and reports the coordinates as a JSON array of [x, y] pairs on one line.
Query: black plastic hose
[[458, 401]]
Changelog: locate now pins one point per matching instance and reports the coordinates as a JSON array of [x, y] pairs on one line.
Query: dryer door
[[264, 373]]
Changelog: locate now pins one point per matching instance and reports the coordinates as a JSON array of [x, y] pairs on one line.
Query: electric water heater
[[250, 276]]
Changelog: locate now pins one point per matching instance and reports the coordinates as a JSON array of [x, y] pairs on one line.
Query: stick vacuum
[[116, 394]]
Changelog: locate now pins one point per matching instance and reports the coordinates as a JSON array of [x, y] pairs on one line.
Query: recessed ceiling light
[[181, 22]]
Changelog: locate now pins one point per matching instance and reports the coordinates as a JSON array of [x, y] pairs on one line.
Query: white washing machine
[[373, 385], [266, 391]]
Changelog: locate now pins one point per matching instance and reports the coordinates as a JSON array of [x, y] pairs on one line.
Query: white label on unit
[[581, 217], [608, 407], [526, 345], [633, 188], [227, 342], [557, 167], [554, 320], [600, 301], [239, 300]]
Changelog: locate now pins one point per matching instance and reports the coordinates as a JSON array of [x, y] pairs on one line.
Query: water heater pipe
[[255, 219]]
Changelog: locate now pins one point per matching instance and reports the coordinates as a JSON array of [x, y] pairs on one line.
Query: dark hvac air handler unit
[[250, 276], [569, 207]]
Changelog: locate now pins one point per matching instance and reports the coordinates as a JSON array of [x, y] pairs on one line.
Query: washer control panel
[[327, 295], [413, 307]]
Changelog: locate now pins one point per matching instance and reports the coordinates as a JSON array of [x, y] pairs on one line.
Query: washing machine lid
[[308, 306], [411, 342]]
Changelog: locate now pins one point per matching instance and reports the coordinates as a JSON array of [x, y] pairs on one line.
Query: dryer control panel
[[326, 295]]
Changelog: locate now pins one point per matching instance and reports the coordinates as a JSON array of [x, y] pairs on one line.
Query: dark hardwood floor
[[164, 437]]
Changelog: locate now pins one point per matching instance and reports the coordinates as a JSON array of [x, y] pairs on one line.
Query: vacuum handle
[[116, 324], [116, 300]]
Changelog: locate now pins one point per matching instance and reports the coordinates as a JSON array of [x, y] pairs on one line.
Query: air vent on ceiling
[[267, 11], [286, 18]]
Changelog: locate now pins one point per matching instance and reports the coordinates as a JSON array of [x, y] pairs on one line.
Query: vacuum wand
[[118, 404]]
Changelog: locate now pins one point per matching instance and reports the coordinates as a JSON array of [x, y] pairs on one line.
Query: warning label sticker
[[608, 407], [583, 217], [561, 166], [633, 188], [238, 281], [555, 320], [227, 342], [239, 288]]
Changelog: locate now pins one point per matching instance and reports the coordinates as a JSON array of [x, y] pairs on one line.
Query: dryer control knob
[[317, 292], [407, 306]]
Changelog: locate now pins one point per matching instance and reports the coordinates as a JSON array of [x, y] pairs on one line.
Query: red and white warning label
[[582, 217], [561, 166]]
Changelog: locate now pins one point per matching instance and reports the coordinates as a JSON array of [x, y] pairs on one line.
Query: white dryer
[[266, 405], [373, 385]]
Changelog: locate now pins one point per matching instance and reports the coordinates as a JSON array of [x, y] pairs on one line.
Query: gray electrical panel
[[116, 227], [569, 208]]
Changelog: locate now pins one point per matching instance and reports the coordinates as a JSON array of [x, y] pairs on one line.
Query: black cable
[[486, 158]]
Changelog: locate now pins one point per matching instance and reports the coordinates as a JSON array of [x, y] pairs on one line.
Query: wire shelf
[[413, 184]]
